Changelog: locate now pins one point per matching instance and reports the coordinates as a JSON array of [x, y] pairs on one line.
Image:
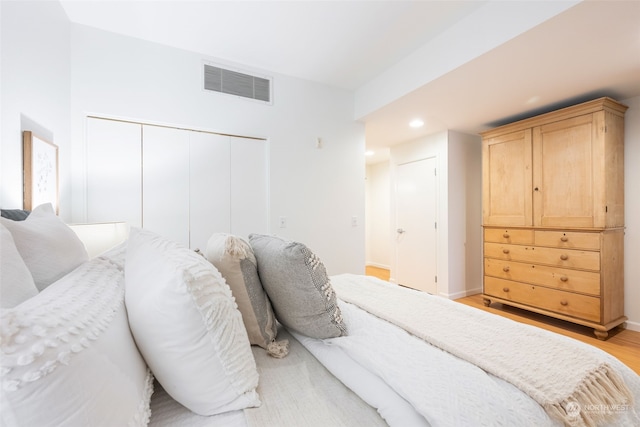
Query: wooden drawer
[[507, 235], [586, 282], [568, 239], [569, 304], [566, 258]]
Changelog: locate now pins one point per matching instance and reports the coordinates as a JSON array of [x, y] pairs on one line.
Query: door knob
[[400, 230]]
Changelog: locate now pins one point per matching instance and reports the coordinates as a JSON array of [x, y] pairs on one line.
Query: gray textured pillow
[[14, 214], [235, 260], [298, 286]]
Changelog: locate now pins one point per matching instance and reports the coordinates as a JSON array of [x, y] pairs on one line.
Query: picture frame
[[40, 168]]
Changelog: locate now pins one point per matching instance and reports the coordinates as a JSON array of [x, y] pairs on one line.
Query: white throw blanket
[[552, 369]]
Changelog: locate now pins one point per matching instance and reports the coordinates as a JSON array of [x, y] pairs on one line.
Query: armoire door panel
[[507, 180], [563, 157], [608, 149], [209, 187], [165, 178], [114, 176]]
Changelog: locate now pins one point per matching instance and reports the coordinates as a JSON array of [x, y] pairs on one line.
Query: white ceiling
[[592, 49]]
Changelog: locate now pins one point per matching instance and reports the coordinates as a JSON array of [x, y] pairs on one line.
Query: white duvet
[[441, 389], [444, 390]]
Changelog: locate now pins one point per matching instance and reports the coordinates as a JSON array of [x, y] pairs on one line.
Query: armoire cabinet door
[[165, 181], [209, 188], [114, 174], [566, 190], [507, 179]]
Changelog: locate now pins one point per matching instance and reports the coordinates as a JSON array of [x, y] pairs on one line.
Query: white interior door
[[416, 226]]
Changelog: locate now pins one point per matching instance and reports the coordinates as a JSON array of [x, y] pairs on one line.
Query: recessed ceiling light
[[369, 153], [533, 100], [417, 123]]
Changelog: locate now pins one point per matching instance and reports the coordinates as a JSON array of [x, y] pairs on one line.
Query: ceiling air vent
[[236, 83]]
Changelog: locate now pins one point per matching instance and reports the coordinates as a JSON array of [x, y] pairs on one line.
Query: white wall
[[378, 225], [465, 213], [53, 77], [632, 213], [35, 93], [459, 216], [317, 190]]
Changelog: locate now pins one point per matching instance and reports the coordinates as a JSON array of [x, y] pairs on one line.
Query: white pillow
[[49, 248], [68, 357], [187, 326], [16, 283]]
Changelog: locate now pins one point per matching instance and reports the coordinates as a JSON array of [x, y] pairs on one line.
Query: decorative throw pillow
[[298, 286], [68, 357], [187, 326], [49, 248], [14, 214], [16, 283], [234, 259]]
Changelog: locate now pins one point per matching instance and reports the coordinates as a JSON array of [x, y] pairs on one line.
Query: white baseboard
[[633, 326], [375, 264], [462, 294]]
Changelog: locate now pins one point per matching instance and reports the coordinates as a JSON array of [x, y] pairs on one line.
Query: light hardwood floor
[[622, 343]]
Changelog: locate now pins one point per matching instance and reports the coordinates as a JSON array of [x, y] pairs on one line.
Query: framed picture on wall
[[40, 168]]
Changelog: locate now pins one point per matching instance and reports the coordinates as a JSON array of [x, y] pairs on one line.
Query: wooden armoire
[[553, 214]]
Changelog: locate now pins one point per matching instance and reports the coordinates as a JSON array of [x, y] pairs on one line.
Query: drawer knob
[[505, 289], [505, 251], [505, 235], [564, 257], [564, 302], [564, 278], [564, 239], [505, 268]]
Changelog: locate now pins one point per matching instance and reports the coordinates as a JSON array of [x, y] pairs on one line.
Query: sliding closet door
[[183, 184], [209, 188], [114, 175], [165, 180], [249, 186]]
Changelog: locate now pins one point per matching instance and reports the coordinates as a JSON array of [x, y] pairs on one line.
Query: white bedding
[[395, 410], [378, 374], [295, 391], [166, 412], [446, 390]]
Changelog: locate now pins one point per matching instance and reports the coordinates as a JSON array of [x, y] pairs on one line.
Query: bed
[[253, 332]]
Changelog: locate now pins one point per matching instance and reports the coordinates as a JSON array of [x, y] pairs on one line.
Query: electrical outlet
[[354, 221], [283, 222]]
